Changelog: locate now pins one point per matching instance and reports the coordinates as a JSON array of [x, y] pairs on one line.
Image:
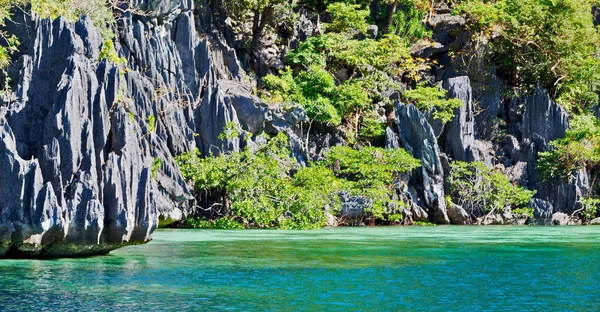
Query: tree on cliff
[[262, 11]]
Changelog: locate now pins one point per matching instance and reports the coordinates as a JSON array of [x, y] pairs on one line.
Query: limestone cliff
[[87, 146]]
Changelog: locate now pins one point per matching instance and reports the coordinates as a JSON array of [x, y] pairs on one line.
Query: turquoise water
[[344, 269]]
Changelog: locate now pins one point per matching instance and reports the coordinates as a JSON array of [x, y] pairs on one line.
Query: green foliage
[[528, 211], [372, 129], [389, 55], [371, 66], [479, 189], [345, 17], [317, 87], [350, 97], [579, 149], [217, 224], [554, 42], [156, 165], [371, 171], [267, 189], [313, 89], [109, 53], [433, 99], [151, 120], [230, 132], [240, 7], [591, 207], [408, 23], [258, 185], [10, 43]]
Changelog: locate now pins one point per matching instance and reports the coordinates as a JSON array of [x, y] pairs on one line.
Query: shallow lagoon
[[350, 269]]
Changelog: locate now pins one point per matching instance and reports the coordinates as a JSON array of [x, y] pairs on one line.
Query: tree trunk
[[259, 24], [256, 32], [391, 16]]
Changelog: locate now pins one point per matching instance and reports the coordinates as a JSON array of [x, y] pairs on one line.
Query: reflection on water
[[417, 268]]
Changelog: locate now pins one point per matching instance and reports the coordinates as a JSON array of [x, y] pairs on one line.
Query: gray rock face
[[517, 173], [417, 137], [494, 219], [595, 222], [353, 207], [544, 121], [487, 95], [83, 171], [458, 215], [512, 146], [562, 219], [460, 133], [542, 210]]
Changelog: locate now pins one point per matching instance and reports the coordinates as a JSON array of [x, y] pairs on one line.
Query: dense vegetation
[[339, 76], [266, 188], [479, 189], [343, 74], [554, 43], [346, 76], [578, 150]]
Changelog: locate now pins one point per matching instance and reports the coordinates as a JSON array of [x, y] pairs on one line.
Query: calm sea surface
[[343, 269]]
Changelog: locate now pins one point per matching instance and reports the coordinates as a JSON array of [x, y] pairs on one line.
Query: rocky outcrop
[[87, 152], [459, 132], [543, 121], [505, 218], [595, 222], [458, 215], [563, 219], [415, 134], [353, 207]]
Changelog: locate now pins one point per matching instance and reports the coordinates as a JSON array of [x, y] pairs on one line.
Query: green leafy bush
[[552, 42], [266, 188], [590, 208], [579, 149], [372, 129], [371, 171], [479, 189], [156, 165], [368, 68], [259, 187], [433, 99], [345, 17], [407, 22], [10, 43], [313, 89]]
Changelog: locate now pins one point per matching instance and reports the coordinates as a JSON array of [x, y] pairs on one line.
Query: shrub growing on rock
[[479, 189], [266, 188], [552, 42]]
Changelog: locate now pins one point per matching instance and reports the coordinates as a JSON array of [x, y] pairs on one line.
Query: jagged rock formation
[[83, 168], [417, 137], [459, 132], [544, 121], [87, 146]]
